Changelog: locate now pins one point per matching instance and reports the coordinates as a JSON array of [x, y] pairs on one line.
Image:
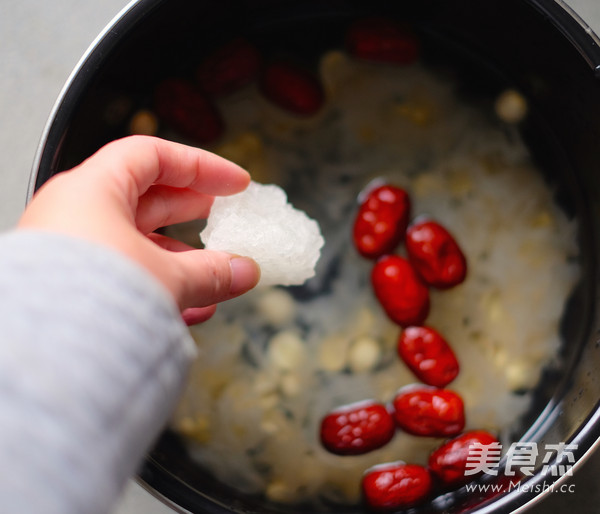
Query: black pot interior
[[487, 46]]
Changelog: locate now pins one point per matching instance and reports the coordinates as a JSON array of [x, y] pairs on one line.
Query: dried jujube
[[428, 355], [449, 462], [187, 110], [396, 485], [429, 411], [435, 254], [357, 428], [381, 221], [382, 40], [400, 291], [229, 68], [292, 88]]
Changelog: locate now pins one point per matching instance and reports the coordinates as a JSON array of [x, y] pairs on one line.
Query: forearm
[[76, 316]]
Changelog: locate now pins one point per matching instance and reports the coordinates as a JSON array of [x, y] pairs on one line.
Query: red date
[[449, 461], [381, 221], [429, 411], [428, 355], [357, 428], [435, 254], [396, 485], [181, 105], [292, 89], [382, 40], [229, 68], [401, 293]]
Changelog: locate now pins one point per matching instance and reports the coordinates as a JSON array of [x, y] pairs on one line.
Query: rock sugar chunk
[[261, 224]]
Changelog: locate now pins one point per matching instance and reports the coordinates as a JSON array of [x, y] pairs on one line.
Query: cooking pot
[[537, 46]]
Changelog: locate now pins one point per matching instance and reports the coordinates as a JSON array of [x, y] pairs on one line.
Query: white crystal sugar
[[261, 224]]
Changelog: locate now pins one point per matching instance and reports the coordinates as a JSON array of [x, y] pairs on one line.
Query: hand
[[131, 187]]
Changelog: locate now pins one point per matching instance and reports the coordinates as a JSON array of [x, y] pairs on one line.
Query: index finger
[[137, 162]]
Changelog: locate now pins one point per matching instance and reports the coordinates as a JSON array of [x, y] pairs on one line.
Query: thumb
[[207, 277]]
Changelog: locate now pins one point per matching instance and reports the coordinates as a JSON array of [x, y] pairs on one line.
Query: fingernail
[[245, 274]]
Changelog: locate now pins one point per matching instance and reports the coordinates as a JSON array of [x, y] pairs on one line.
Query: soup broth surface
[[273, 362]]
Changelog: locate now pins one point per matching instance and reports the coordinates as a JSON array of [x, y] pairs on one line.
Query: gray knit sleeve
[[93, 355]]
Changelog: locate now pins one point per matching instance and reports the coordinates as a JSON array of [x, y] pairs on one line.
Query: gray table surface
[[40, 43]]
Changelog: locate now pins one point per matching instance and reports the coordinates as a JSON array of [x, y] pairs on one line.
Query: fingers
[[195, 315], [137, 162], [208, 277], [138, 184], [164, 205], [168, 243]]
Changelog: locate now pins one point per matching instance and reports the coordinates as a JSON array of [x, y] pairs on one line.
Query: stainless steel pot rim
[[566, 24], [514, 503]]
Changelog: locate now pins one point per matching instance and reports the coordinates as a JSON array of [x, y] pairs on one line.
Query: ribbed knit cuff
[[93, 355]]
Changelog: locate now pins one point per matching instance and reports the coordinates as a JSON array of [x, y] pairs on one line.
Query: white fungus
[[261, 224]]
